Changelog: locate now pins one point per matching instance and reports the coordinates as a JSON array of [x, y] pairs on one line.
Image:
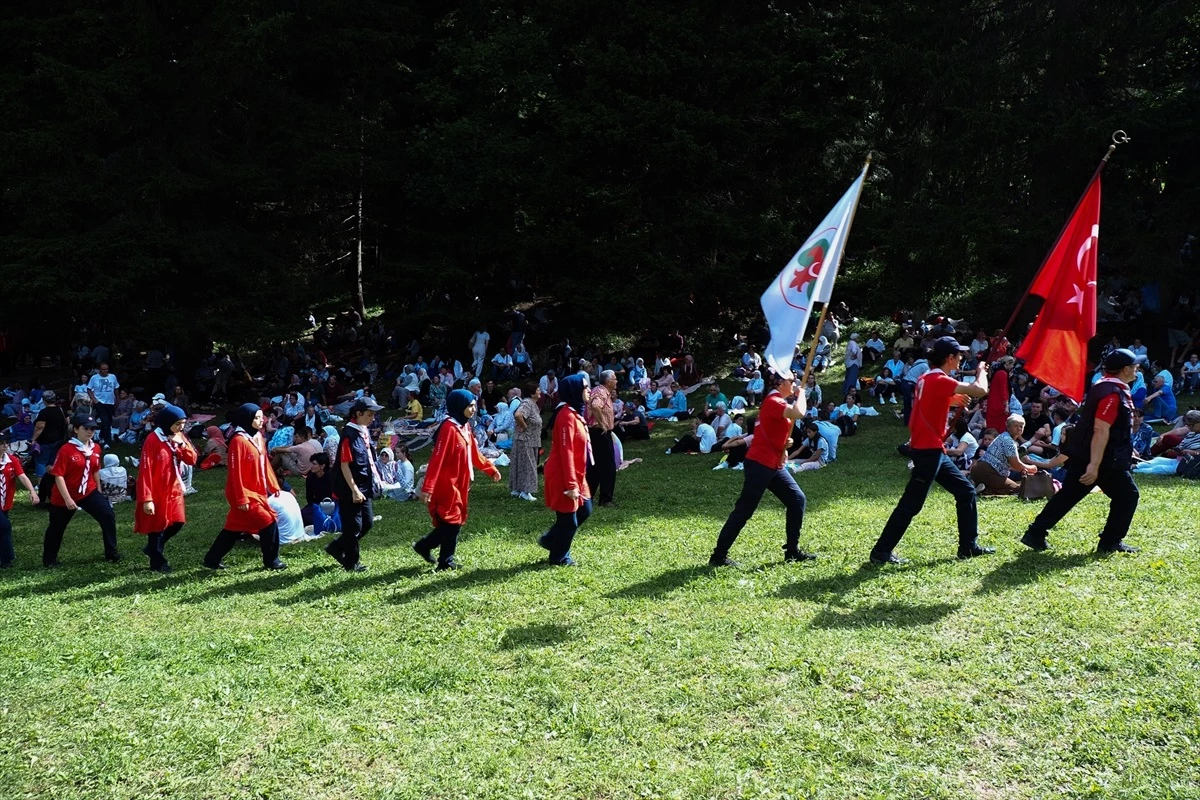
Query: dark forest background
[[195, 169]]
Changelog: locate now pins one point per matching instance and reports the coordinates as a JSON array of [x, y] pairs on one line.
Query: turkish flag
[[1055, 350]]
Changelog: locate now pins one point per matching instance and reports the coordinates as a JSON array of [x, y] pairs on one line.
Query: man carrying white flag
[[807, 279]]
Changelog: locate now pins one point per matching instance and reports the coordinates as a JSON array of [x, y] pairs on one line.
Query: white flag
[[807, 279]]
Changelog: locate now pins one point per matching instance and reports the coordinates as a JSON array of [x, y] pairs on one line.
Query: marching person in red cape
[[355, 484], [566, 481], [764, 470], [159, 513], [934, 393], [448, 479], [250, 481], [10, 474], [75, 470]]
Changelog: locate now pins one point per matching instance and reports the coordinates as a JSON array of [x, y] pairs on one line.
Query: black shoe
[[6, 565], [218, 565], [1119, 547], [165, 569], [722, 561], [881, 559], [1035, 543], [794, 556], [425, 553], [444, 566], [359, 567], [974, 550], [51, 565], [275, 565], [608, 504], [339, 557], [112, 557]]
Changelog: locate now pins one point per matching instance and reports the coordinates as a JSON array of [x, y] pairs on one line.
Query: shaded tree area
[[197, 169]]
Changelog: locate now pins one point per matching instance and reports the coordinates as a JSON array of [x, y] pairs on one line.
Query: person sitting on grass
[[993, 472], [653, 397], [1143, 435], [813, 451], [1160, 402], [702, 439], [676, 408], [714, 398], [755, 388], [721, 420], [1189, 375], [846, 415], [736, 447], [962, 445], [884, 388], [1188, 448]]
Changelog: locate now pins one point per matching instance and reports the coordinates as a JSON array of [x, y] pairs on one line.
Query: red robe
[[448, 477], [251, 480], [158, 482], [566, 468]]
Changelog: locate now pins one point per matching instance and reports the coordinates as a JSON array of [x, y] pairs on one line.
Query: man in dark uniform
[[1100, 453]]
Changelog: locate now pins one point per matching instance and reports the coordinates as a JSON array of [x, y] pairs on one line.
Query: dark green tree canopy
[[197, 168]]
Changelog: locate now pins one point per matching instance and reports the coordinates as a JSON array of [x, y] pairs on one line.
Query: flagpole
[[1118, 137], [808, 362]]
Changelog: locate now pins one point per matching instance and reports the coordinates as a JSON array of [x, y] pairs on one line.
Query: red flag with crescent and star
[[1055, 350]]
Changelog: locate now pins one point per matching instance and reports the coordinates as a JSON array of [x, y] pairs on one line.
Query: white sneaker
[[527, 496], [377, 517], [980, 488], [722, 465], [910, 465], [894, 401], [739, 467], [668, 451], [673, 419], [514, 494]]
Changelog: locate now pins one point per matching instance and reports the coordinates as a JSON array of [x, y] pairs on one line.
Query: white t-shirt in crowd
[[707, 436], [105, 388]]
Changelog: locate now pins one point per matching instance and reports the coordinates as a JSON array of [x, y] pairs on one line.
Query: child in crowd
[[114, 480]]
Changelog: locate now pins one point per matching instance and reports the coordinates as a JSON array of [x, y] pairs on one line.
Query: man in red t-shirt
[[932, 397], [10, 474], [764, 470]]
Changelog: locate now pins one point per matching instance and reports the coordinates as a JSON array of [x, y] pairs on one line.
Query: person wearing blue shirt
[[102, 392]]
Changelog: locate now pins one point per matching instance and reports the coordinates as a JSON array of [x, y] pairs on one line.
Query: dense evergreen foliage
[[163, 164]]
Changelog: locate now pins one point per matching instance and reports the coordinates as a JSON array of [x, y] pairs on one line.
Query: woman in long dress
[[159, 513], [527, 439]]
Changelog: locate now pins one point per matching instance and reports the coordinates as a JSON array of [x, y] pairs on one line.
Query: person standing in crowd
[[908, 385], [249, 483], [11, 473], [356, 484], [854, 361], [764, 470], [75, 470], [932, 398], [448, 477], [479, 343], [49, 434], [102, 392], [1100, 453], [999, 393], [527, 440], [159, 513], [571, 452], [602, 472]]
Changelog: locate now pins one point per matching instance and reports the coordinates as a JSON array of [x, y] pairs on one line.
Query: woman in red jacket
[[159, 513], [566, 471], [448, 479], [74, 471], [251, 480]]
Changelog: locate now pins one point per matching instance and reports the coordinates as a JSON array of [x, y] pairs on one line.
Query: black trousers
[[906, 392], [157, 542], [602, 475], [104, 415], [1123, 502], [96, 506], [930, 466], [444, 536], [268, 540], [737, 455], [559, 538], [357, 521], [759, 479]]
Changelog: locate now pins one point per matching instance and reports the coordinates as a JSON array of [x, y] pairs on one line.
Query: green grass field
[[641, 674]]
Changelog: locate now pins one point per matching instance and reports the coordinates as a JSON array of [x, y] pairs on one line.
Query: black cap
[[1118, 360], [946, 346], [365, 404], [84, 421]]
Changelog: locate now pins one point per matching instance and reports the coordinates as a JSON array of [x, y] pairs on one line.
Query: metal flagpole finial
[[1120, 137]]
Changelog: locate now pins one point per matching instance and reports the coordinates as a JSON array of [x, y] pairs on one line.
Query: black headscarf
[[167, 417], [243, 417], [457, 402], [570, 391]]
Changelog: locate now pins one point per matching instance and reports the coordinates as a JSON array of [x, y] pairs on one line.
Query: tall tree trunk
[[359, 304]]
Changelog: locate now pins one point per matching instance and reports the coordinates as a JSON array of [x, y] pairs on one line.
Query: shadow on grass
[[885, 615], [350, 584], [464, 579], [265, 581], [818, 588], [1028, 567], [662, 584], [542, 635], [64, 579]]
